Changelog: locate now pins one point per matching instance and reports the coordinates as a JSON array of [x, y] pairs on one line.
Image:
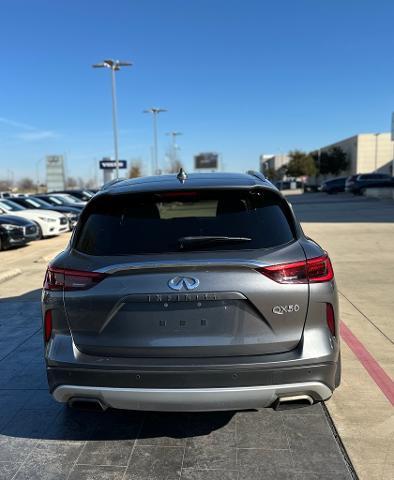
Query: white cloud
[[29, 133], [36, 135], [12, 123]]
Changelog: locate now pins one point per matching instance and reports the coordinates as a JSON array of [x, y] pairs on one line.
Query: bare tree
[[91, 183], [26, 184], [135, 169], [71, 182], [5, 185], [175, 166], [174, 163]]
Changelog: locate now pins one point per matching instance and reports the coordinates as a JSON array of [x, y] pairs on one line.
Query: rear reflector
[[47, 325], [314, 270], [330, 317], [60, 279]]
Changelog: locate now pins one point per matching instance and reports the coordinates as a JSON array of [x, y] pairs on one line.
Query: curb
[[8, 274]]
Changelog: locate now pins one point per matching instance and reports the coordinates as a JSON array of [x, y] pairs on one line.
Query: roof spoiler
[[256, 174]]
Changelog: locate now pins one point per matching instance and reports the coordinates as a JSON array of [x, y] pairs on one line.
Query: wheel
[[1, 245], [40, 235]]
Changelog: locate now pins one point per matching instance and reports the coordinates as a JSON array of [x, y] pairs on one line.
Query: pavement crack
[[366, 318]]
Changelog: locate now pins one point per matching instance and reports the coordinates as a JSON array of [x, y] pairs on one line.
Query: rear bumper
[[199, 389], [192, 399]]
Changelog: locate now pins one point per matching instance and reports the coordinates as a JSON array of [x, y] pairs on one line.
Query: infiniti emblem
[[188, 283]]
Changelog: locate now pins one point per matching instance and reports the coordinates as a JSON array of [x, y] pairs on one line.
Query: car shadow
[[28, 411]]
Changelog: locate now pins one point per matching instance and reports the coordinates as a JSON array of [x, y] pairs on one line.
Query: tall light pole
[[174, 134], [155, 112], [114, 66]]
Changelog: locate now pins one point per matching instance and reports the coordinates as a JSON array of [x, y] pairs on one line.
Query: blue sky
[[240, 77]]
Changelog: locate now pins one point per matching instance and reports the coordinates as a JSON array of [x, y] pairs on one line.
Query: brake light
[[330, 318], [60, 279], [315, 270], [47, 325]]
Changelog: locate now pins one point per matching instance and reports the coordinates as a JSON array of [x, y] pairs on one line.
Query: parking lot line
[[380, 377]]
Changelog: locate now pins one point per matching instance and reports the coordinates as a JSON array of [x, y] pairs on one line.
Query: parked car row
[[357, 184], [24, 218]]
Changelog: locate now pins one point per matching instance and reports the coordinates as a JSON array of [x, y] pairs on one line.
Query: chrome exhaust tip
[[288, 402], [87, 404]]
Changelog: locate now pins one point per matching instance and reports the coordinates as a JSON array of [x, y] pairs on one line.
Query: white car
[[50, 223]]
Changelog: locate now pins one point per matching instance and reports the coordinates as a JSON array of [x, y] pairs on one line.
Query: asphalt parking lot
[[40, 439]]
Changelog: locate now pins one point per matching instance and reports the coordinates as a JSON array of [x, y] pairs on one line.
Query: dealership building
[[273, 162], [367, 152]]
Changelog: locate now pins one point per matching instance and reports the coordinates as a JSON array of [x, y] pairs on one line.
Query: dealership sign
[[55, 174], [108, 164], [208, 160]]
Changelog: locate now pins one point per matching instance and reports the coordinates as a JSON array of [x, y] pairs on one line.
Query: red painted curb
[[379, 376]]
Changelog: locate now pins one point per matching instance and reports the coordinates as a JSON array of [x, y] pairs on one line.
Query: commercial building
[[367, 152], [272, 162]]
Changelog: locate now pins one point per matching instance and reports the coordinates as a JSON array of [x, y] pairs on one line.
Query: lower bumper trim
[[192, 399]]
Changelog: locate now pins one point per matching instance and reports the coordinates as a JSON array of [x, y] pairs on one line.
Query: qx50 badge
[[188, 283], [281, 309]]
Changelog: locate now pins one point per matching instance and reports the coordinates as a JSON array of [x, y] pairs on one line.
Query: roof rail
[[258, 175]]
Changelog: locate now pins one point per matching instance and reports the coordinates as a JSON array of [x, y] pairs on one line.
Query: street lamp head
[[174, 134], [112, 64], [155, 110]]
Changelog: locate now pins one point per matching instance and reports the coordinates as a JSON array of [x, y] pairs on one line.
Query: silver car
[[191, 293]]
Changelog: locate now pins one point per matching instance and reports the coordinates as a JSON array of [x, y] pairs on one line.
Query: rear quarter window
[[154, 223]]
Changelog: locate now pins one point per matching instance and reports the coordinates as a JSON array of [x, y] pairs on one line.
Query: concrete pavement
[[39, 439], [358, 234]]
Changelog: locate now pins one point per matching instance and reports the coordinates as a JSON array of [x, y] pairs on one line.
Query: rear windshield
[[158, 223]]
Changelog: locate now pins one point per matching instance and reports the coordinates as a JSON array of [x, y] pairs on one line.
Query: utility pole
[[155, 112], [114, 66]]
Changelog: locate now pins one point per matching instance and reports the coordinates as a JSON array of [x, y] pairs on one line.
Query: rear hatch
[[176, 275]]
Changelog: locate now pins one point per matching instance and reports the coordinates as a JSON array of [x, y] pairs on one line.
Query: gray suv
[[190, 293]]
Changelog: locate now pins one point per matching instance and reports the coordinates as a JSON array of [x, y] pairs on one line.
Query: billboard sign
[[207, 160], [108, 164], [55, 175]]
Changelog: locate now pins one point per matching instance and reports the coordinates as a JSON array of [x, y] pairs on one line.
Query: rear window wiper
[[187, 242]]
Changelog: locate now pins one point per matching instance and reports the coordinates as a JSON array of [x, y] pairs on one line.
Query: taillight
[[320, 269], [60, 279], [47, 325], [314, 270], [330, 318]]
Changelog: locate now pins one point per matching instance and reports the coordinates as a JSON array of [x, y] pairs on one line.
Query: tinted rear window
[[155, 223]]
